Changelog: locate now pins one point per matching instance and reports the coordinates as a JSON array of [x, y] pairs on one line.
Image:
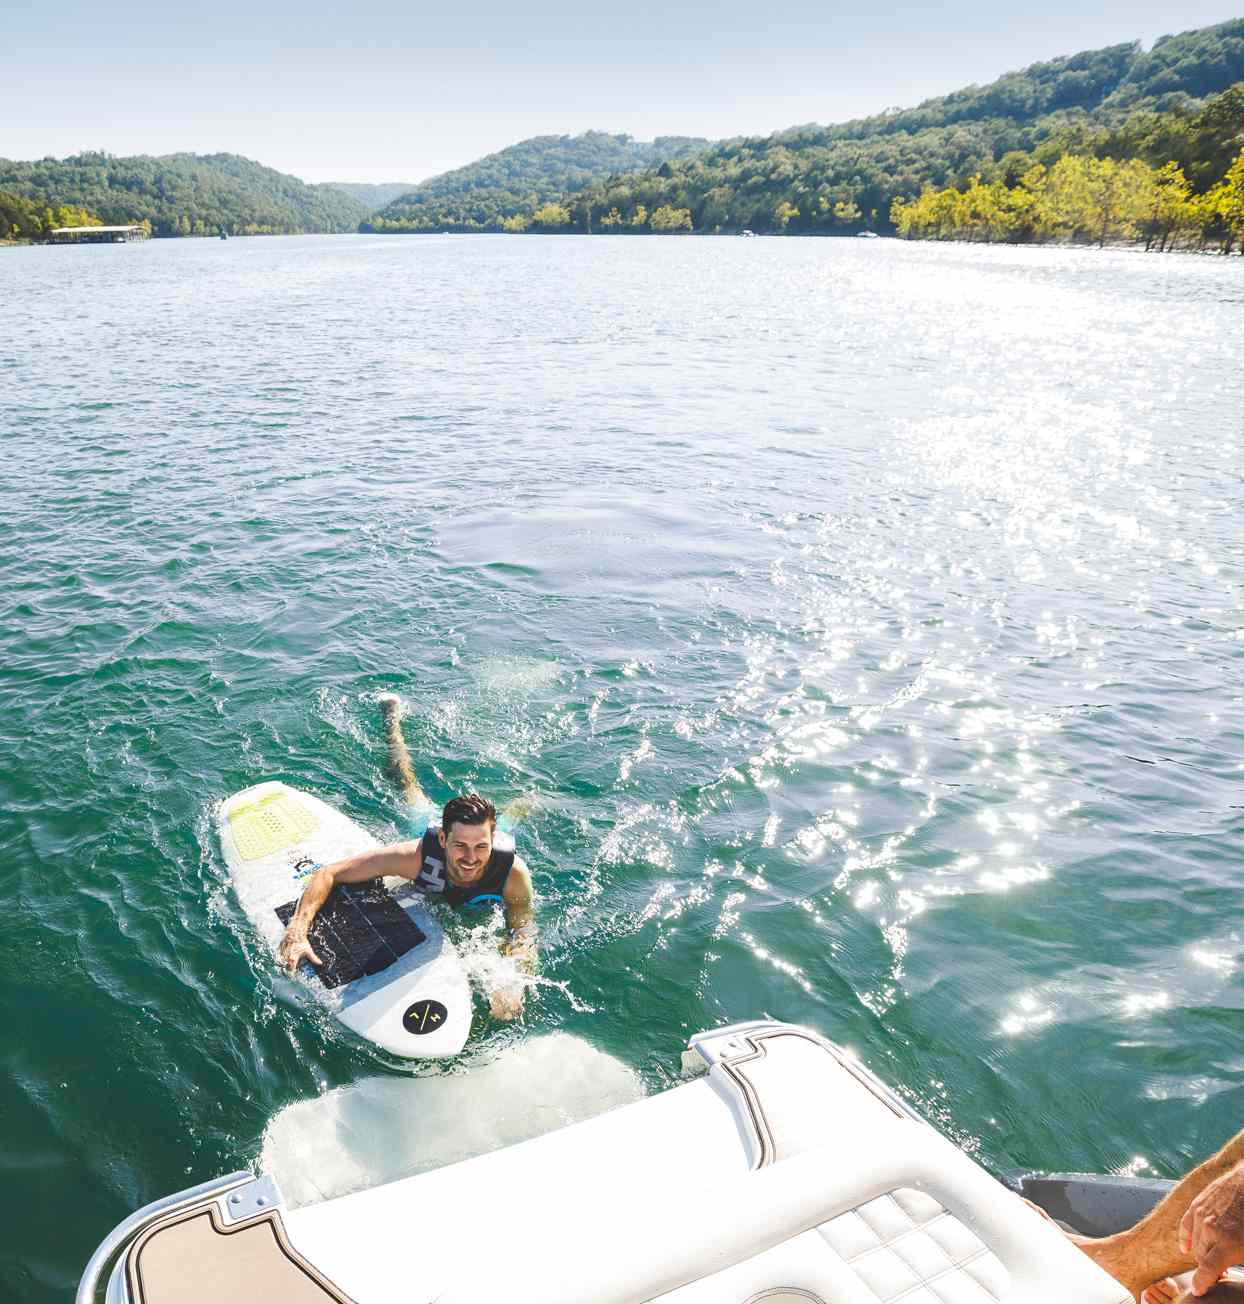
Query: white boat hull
[[787, 1174]]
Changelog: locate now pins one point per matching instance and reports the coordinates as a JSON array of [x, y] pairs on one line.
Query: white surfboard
[[413, 1002]]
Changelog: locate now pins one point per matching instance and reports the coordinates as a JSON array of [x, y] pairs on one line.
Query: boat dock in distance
[[97, 234]]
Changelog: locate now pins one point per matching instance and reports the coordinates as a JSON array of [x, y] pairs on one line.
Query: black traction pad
[[359, 930]]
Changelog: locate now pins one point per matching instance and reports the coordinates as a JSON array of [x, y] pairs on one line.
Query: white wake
[[384, 1128]]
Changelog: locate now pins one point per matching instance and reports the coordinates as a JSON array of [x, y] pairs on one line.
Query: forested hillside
[[23, 220], [841, 179], [373, 195], [522, 177], [184, 194], [1167, 180], [1195, 63]]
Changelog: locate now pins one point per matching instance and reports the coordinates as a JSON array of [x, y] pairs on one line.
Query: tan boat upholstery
[[192, 1258]]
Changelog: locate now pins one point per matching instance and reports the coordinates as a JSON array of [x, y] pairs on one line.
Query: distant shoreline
[[1111, 246]]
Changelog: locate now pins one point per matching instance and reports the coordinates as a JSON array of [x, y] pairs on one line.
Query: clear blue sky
[[386, 91]]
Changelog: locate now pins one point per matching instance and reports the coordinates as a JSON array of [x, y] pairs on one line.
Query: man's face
[[468, 848]]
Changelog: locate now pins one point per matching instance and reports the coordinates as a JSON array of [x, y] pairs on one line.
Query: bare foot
[[1178, 1290], [1170, 1289], [1167, 1290], [521, 807], [1230, 1290], [1074, 1237], [507, 1002]]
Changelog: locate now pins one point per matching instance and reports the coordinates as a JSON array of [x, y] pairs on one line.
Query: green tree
[[783, 213], [981, 213], [551, 216], [1171, 212], [671, 219], [847, 212], [1070, 207], [1231, 203], [1122, 194]]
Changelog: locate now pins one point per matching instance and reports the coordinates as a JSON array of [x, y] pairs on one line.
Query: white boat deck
[[787, 1175]]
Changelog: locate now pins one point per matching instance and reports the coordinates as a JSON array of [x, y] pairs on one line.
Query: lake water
[[865, 619]]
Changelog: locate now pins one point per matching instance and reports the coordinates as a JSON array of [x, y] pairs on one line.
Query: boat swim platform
[[785, 1174]]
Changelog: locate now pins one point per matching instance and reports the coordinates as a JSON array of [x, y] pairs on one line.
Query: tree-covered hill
[[373, 195], [523, 176], [1171, 180], [841, 178], [1196, 63], [185, 194], [1104, 84], [22, 220]]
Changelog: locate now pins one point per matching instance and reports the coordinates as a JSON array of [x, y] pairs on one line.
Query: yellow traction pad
[[270, 824]]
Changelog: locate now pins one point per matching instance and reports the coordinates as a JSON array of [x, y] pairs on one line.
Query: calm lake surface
[[865, 619]]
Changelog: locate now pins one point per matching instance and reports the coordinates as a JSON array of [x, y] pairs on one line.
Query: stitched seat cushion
[[905, 1246]]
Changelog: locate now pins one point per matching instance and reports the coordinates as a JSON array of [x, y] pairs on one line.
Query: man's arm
[[403, 858], [520, 915], [520, 941]]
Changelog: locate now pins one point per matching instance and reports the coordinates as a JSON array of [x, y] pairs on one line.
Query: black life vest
[[434, 876]]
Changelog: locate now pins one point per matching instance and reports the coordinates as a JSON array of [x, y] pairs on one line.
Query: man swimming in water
[[457, 863]]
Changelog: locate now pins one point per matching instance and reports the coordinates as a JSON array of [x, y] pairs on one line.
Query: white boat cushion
[[906, 1219], [652, 1202], [905, 1246]]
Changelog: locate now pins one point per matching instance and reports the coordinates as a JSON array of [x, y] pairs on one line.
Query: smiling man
[[458, 863]]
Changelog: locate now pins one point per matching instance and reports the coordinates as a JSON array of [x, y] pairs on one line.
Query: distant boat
[[867, 235], [751, 234]]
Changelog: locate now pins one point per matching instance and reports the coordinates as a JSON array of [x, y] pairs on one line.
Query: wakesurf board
[[389, 974]]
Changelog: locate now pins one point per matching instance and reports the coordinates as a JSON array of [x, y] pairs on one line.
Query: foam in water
[[381, 1129]]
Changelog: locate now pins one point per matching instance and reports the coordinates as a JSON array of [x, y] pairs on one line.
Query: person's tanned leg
[[1151, 1250], [400, 766]]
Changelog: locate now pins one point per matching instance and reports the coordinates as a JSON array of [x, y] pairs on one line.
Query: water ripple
[[860, 626]]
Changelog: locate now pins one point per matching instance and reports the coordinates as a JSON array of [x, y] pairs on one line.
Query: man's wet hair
[[470, 808]]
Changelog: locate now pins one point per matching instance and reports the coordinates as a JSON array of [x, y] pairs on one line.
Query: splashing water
[[380, 1129]]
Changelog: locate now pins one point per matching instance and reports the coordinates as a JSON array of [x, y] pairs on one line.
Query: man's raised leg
[[518, 808], [400, 766]]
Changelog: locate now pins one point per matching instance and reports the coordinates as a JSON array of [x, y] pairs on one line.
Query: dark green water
[[866, 618]]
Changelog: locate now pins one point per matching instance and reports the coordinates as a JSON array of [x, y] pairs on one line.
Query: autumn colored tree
[[670, 219], [551, 217]]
